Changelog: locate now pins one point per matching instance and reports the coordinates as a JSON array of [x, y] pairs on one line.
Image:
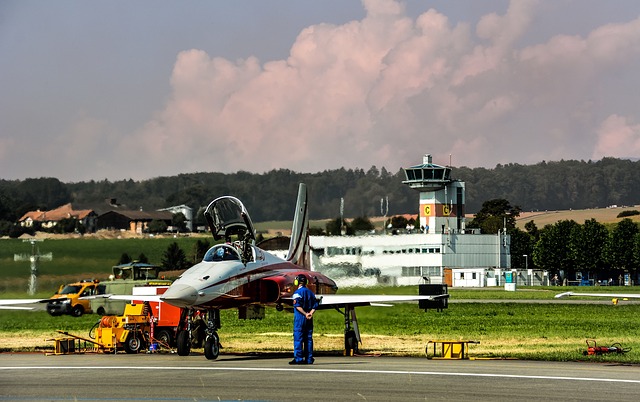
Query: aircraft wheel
[[183, 343], [165, 337], [77, 310], [212, 347], [350, 343], [133, 344]]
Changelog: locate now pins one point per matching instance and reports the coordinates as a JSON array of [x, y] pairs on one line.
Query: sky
[[95, 90]]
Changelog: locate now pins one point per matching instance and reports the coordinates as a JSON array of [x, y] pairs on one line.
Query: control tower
[[441, 198]]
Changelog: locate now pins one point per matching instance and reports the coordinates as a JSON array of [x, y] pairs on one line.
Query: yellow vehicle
[[129, 331], [68, 298]]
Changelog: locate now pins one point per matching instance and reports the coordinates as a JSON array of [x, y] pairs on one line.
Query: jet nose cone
[[180, 295]]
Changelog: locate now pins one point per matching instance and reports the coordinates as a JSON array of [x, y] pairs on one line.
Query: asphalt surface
[[269, 377], [602, 300]]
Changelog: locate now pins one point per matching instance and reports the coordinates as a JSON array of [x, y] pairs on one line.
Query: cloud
[[618, 137], [388, 88]]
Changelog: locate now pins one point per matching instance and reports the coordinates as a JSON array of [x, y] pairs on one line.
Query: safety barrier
[[449, 349], [65, 346]]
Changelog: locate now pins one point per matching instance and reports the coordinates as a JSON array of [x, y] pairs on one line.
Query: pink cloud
[[385, 90], [617, 137]]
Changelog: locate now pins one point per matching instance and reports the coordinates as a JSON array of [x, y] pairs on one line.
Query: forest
[[495, 195], [271, 195]]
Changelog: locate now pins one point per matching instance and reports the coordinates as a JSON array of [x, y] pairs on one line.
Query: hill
[[546, 186], [605, 216]]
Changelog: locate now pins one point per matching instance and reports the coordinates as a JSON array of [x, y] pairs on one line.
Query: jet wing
[[143, 298], [616, 295], [16, 304], [332, 301]]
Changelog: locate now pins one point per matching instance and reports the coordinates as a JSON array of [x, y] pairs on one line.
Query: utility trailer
[[143, 324]]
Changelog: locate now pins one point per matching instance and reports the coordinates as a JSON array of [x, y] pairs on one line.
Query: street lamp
[[526, 266]]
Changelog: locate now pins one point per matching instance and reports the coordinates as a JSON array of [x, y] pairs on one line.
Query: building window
[[431, 271], [411, 271]]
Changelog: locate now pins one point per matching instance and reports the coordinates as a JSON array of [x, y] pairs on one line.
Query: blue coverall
[[303, 328]]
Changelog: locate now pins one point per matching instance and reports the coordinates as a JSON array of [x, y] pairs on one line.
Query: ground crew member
[[304, 305]]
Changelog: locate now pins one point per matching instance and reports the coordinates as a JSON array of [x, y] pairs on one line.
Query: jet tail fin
[[299, 244]]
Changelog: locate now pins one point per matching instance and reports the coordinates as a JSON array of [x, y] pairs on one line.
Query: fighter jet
[[238, 274]]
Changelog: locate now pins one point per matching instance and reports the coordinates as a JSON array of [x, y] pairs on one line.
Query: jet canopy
[[227, 217]]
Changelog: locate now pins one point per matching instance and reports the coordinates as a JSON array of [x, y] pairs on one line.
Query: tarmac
[[268, 377]]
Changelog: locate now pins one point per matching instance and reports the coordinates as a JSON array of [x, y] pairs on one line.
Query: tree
[[45, 190], [124, 259], [179, 222], [521, 245], [495, 215], [142, 258], [6, 209], [399, 222], [5, 228], [200, 249], [532, 229], [157, 226], [313, 231], [588, 245], [621, 245], [174, 258], [362, 224], [67, 225], [636, 250], [552, 251], [334, 227]]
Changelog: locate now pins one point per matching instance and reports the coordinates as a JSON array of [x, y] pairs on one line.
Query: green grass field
[[504, 330], [75, 259]]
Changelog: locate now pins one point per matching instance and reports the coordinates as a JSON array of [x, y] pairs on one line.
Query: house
[[133, 221], [49, 219]]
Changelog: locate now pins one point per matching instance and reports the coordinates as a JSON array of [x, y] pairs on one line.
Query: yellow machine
[[129, 331]]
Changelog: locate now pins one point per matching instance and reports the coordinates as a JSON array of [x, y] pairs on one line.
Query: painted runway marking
[[320, 370]]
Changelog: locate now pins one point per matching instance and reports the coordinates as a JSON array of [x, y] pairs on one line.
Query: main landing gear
[[351, 331], [190, 329], [212, 340]]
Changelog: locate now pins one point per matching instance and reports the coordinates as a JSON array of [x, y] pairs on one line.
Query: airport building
[[440, 251]]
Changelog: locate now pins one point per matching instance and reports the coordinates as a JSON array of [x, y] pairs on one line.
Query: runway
[[268, 377]]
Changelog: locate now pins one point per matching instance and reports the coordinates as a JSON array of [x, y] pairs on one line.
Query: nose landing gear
[[184, 339]]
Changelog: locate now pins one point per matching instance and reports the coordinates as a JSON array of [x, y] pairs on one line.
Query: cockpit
[[222, 252]]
